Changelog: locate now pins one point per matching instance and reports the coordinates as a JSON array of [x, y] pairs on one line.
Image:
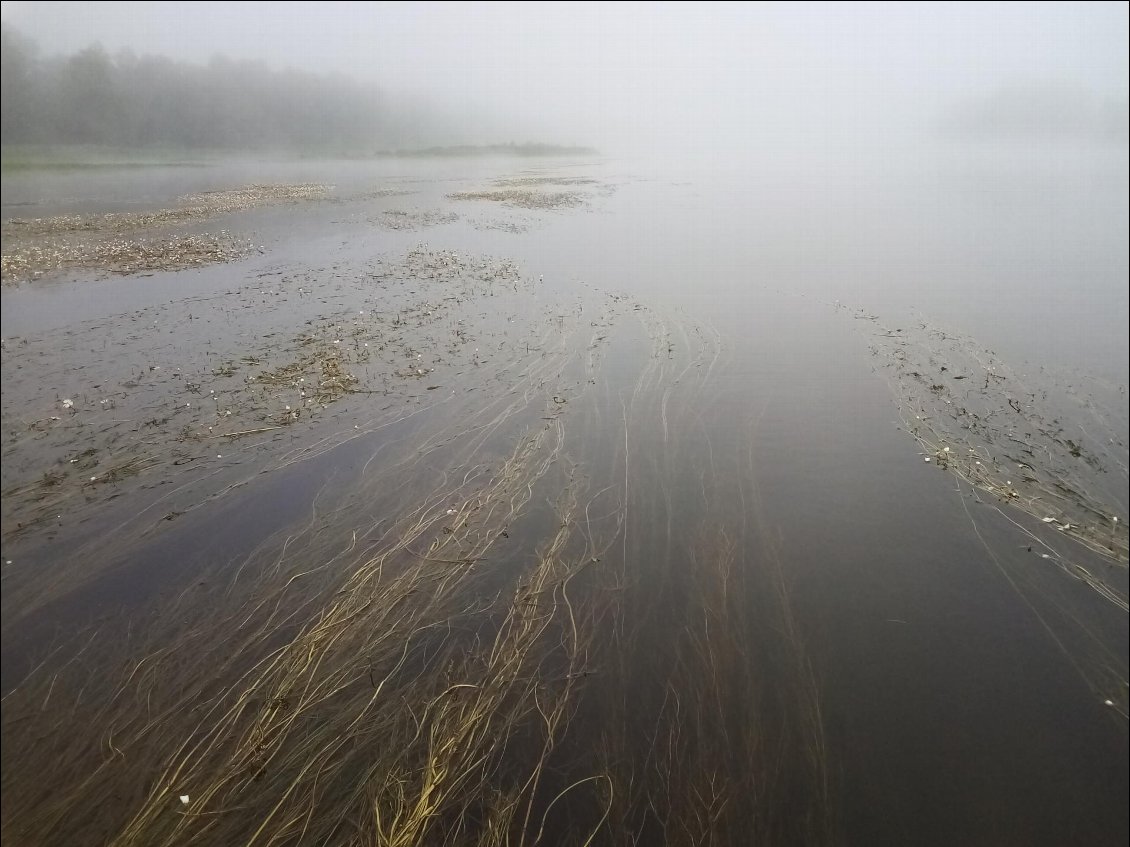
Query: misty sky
[[659, 76]]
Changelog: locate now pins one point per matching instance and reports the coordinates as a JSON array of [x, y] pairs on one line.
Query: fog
[[765, 80], [544, 423]]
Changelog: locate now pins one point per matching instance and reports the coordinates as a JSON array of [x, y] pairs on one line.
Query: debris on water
[[114, 243], [68, 403], [184, 799], [1003, 436], [525, 198]]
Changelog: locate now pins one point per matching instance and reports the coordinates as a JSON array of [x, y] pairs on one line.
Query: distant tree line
[[130, 101]]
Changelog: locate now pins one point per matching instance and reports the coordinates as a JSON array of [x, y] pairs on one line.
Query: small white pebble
[[927, 458], [93, 478], [1108, 702]]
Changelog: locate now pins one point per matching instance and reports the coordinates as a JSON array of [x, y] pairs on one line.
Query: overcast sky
[[638, 74]]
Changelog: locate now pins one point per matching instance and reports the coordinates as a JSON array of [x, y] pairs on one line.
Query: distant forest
[[130, 101]]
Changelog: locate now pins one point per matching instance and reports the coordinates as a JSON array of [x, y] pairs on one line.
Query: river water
[[965, 692]]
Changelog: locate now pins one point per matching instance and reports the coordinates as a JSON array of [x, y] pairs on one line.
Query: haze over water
[[759, 472]]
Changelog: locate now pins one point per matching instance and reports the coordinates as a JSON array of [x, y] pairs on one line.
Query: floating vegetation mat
[[192, 207], [536, 181], [34, 247], [525, 198], [531, 192], [122, 255], [207, 391], [478, 631], [1051, 446], [499, 225], [401, 219]]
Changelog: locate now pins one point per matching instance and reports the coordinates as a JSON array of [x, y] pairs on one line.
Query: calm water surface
[[954, 706]]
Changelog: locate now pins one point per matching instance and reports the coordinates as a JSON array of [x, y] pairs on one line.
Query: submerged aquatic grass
[[422, 660]]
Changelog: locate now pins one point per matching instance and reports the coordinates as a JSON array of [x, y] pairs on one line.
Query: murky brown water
[[538, 519]]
